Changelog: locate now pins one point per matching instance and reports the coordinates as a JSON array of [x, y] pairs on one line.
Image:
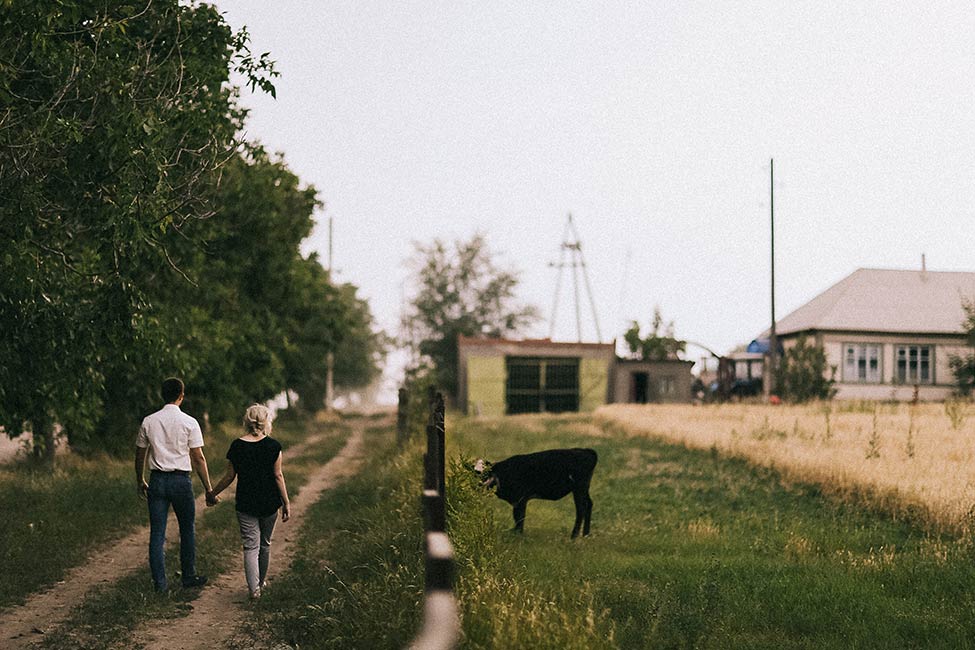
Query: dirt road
[[221, 606], [23, 626]]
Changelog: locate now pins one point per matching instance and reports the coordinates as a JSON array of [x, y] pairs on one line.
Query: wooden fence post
[[441, 620]]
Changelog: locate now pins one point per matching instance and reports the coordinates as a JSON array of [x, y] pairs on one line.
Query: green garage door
[[542, 384]]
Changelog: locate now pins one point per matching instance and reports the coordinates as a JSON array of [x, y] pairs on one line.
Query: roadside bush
[[803, 372]]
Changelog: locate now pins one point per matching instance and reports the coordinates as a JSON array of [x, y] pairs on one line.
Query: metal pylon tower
[[572, 248]]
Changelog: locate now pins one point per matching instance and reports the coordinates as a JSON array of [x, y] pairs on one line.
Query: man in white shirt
[[173, 443]]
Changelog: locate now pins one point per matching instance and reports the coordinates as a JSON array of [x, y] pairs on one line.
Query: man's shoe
[[195, 581]]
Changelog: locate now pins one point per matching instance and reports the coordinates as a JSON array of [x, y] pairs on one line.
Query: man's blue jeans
[[176, 489]]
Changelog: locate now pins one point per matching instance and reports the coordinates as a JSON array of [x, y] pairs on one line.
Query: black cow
[[547, 475]]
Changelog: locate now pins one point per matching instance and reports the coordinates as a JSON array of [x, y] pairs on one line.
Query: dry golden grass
[[909, 458]]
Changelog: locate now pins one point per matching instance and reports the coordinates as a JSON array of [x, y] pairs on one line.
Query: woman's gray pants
[[255, 533]]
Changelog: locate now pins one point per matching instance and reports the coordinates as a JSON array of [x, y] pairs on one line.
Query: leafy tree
[[116, 114], [143, 239], [657, 345], [460, 291], [963, 365], [314, 328], [359, 356], [802, 374]]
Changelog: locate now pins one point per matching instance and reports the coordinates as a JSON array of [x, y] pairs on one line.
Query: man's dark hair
[[172, 388]]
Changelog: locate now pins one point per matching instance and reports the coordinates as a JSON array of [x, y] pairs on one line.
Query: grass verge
[[356, 581]]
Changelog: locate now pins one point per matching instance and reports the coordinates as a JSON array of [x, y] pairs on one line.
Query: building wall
[[483, 372], [678, 371], [593, 383], [486, 377], [888, 388]]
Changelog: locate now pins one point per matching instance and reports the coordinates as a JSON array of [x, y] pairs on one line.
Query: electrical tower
[[572, 248]]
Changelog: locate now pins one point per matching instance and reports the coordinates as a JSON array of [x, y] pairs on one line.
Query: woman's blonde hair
[[257, 419]]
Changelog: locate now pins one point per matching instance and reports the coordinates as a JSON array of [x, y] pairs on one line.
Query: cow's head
[[483, 469]]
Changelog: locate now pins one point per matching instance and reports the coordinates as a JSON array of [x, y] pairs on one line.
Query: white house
[[887, 331]]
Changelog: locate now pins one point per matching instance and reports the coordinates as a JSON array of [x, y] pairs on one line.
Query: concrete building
[[504, 376], [886, 331], [642, 382]]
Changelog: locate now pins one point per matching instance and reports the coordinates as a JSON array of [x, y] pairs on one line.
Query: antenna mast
[[572, 247]]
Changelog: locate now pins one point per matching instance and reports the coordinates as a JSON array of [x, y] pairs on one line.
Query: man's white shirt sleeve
[[196, 435], [142, 439]]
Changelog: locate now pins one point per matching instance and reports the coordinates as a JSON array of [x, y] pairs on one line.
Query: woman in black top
[[255, 460]]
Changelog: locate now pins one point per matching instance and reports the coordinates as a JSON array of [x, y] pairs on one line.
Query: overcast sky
[[651, 122]]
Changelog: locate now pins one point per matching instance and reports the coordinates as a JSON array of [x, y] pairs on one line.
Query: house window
[[861, 363], [913, 363], [668, 387]]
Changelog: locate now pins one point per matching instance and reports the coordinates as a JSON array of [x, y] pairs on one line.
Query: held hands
[[286, 512], [142, 488], [212, 499]]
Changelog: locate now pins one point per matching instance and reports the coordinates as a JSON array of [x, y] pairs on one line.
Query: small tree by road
[[459, 291]]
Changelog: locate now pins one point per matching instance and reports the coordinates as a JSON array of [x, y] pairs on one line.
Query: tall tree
[[459, 291], [115, 117], [144, 239], [360, 354]]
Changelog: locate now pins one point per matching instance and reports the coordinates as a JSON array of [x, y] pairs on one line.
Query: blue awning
[[761, 346]]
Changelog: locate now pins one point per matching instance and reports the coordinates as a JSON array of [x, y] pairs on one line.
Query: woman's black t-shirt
[[257, 490]]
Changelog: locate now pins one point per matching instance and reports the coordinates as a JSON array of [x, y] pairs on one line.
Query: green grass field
[[689, 550]]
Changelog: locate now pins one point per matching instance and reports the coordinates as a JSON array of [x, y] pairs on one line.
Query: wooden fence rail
[[441, 620]]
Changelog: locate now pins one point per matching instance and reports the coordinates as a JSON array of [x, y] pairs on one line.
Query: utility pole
[[773, 343], [572, 246], [330, 357]]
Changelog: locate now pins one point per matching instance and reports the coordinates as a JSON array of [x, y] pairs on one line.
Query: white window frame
[[914, 369], [668, 386], [857, 357]]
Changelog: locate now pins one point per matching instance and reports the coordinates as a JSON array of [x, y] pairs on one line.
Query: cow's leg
[[581, 500], [519, 513], [585, 530]]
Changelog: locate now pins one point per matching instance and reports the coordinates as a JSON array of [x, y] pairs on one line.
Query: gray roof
[[885, 300]]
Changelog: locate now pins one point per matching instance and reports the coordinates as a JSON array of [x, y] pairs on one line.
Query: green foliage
[[963, 365], [359, 358], [802, 373], [459, 292], [143, 238], [115, 116], [420, 386], [657, 345]]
